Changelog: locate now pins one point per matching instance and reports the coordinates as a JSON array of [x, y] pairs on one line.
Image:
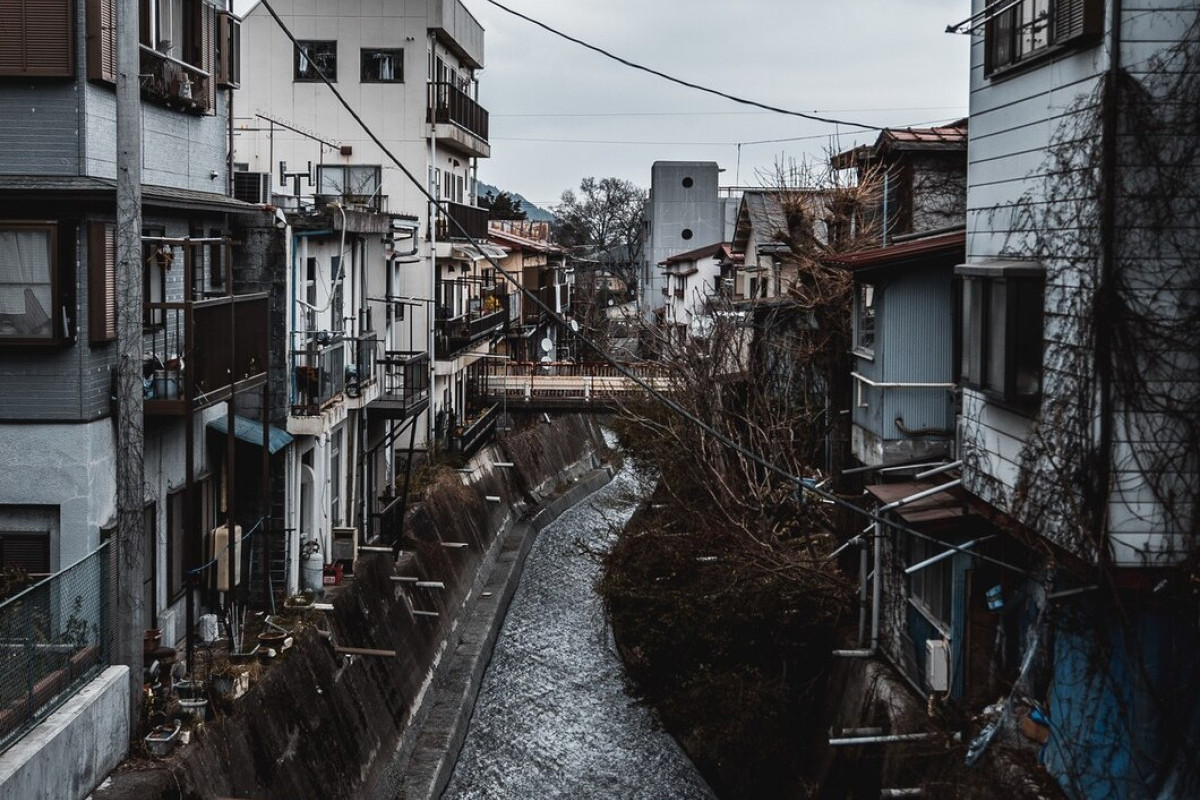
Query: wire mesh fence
[[54, 637]]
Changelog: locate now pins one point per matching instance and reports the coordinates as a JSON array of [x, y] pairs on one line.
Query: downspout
[[431, 309], [1106, 300]]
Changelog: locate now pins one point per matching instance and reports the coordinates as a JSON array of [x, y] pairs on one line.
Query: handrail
[[172, 60]]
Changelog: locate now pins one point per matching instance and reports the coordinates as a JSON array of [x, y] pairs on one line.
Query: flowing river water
[[552, 718]]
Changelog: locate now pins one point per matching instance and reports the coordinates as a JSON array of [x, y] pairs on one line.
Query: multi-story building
[[204, 336], [415, 311], [685, 211], [539, 267], [1047, 562]]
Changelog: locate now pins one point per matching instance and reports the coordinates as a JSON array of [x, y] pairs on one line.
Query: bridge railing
[[563, 381]]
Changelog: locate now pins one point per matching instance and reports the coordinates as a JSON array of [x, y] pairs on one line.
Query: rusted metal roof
[[951, 137], [942, 506], [524, 242], [904, 253]]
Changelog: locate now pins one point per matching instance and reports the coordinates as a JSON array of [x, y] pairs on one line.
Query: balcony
[[199, 353], [679, 294], [404, 384], [318, 376], [451, 336], [173, 83], [473, 434], [461, 124], [470, 219]]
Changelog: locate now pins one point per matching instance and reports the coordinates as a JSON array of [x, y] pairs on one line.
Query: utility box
[[937, 665], [345, 546]]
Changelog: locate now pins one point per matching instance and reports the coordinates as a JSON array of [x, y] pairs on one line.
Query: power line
[[617, 365], [715, 113], [680, 81]]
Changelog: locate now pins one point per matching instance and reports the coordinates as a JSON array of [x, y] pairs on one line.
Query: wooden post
[[130, 432]]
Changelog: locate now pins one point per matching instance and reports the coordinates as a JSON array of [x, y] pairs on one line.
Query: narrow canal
[[553, 718]]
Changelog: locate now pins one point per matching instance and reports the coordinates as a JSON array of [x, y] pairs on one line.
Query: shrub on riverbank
[[730, 643]]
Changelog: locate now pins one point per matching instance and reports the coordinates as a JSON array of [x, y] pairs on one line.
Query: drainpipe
[[876, 587], [431, 309]]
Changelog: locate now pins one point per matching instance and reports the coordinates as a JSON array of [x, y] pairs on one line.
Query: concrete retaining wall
[[321, 725], [72, 750]]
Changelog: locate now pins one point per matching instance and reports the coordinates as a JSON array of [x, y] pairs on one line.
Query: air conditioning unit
[[252, 187], [345, 545], [222, 552], [937, 665]]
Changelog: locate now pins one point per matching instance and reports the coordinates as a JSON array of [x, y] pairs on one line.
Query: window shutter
[[1077, 18], [205, 57], [35, 38], [229, 50], [102, 40], [102, 283]]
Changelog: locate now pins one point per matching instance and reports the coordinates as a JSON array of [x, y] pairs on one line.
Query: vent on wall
[[252, 187]]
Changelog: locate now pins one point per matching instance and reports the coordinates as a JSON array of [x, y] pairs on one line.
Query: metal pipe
[[854, 653], [901, 384], [912, 498], [862, 592], [889, 793], [877, 586], [944, 555], [929, 473], [887, 739]]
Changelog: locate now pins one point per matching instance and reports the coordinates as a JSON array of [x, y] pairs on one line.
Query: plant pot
[[151, 639], [193, 709], [162, 740]]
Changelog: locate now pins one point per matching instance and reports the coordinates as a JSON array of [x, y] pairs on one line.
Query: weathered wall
[[318, 725], [75, 747]]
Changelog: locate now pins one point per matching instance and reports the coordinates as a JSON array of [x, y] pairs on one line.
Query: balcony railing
[[470, 219], [466, 439], [404, 383], [174, 83], [319, 375], [448, 103], [457, 333], [197, 352]]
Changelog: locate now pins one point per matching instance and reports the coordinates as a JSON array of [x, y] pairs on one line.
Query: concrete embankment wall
[[320, 725]]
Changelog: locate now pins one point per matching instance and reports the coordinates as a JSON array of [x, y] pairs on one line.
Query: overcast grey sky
[[560, 113]]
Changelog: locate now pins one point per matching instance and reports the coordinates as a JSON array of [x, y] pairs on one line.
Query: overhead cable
[[680, 81]]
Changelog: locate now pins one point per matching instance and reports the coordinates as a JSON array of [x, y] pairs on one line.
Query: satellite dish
[[547, 345], [612, 302], [546, 359], [574, 325]]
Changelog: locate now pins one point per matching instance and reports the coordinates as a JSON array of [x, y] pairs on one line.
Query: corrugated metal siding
[[915, 326]]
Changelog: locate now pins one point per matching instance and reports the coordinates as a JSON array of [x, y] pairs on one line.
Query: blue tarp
[[250, 431]]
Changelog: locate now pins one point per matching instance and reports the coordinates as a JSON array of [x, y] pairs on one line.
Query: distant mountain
[[532, 211]]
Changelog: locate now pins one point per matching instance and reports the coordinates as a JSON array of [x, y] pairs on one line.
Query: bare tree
[[603, 222]]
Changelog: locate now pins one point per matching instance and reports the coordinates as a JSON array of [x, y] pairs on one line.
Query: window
[[864, 318], [312, 56], [1001, 331], [930, 588], [1032, 27], [357, 184], [382, 66], [37, 40], [28, 282]]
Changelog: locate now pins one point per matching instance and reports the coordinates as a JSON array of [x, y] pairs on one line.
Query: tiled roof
[[720, 248], [903, 253]]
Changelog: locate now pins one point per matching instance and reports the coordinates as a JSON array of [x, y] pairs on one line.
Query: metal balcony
[[404, 384], [460, 123], [471, 220]]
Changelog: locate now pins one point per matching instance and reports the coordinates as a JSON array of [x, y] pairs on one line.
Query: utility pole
[[131, 534]]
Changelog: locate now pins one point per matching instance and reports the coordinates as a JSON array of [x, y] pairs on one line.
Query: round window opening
[[687, 233], [687, 183]]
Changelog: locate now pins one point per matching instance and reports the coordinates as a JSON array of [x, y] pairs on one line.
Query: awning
[[469, 252], [250, 431]]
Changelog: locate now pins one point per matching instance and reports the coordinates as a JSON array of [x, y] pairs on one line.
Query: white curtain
[[25, 287]]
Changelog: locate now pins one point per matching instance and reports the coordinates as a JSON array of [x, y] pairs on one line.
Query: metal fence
[[54, 637]]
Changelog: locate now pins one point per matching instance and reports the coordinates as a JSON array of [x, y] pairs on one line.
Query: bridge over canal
[[564, 385]]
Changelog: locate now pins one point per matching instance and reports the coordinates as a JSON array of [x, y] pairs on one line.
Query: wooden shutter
[[229, 50], [204, 53], [102, 40], [1077, 18], [102, 282], [35, 38]]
